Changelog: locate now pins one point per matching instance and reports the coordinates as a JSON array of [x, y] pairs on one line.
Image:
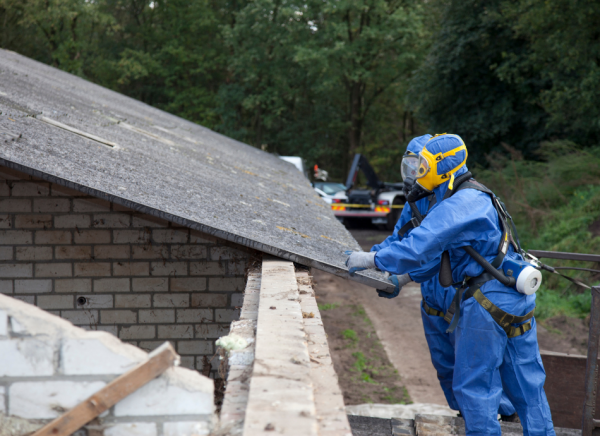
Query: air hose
[[498, 275]]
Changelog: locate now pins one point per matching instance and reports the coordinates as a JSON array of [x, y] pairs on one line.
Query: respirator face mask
[[410, 173]]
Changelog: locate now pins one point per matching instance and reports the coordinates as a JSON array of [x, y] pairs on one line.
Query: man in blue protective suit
[[436, 298], [496, 346]]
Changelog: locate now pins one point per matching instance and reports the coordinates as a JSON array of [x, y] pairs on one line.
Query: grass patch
[[351, 336], [328, 306]]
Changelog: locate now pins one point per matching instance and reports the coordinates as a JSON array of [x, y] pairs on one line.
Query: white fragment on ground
[[404, 411], [232, 342]]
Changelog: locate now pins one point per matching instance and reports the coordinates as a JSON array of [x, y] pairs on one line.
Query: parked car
[[330, 191]]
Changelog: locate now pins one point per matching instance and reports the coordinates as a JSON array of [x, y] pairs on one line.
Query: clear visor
[[422, 167], [409, 167]]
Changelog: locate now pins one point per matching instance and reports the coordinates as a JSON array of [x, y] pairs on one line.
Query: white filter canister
[[529, 280]]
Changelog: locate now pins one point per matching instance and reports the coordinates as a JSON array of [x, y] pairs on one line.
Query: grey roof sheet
[[163, 165]]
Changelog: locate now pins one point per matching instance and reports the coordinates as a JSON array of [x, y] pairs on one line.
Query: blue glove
[[398, 282], [359, 261]]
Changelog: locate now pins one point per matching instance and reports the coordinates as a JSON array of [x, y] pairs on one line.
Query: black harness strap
[[415, 221]]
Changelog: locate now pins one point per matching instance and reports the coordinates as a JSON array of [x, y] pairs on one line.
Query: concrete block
[[16, 270], [194, 315], [81, 317], [132, 429], [6, 286], [237, 300], [6, 253], [62, 191], [170, 236], [207, 268], [48, 399], [90, 205], [227, 253], [53, 270], [188, 252], [112, 251], [2, 399], [212, 331], [15, 237], [98, 356], [73, 285], [158, 284], [192, 284], [13, 205], [168, 268], [177, 392], [227, 315], [51, 205], [53, 237], [33, 286], [94, 301], [73, 252], [118, 317], [138, 332], [226, 284], [34, 253], [186, 428], [131, 268], [5, 221], [195, 347], [92, 269], [131, 237], [55, 302], [171, 300], [92, 237], [112, 285], [72, 221], [26, 358], [149, 252], [148, 221], [111, 220], [185, 331], [133, 301], [3, 323], [209, 300], [33, 221], [30, 189], [157, 316]]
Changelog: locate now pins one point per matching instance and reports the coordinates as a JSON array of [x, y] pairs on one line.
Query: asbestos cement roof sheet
[[64, 129]]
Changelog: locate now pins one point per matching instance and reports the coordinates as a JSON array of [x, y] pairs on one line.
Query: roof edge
[[139, 207]]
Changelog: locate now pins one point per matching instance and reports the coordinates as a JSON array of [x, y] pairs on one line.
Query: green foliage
[[328, 306], [350, 335]]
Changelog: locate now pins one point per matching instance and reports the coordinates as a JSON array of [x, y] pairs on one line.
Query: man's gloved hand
[[359, 261], [398, 282]]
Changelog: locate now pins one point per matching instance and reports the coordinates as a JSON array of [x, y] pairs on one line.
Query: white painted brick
[[188, 284], [168, 268], [112, 251], [34, 253], [111, 285], [138, 332], [5, 221], [33, 286], [209, 300], [72, 221], [188, 252], [62, 191], [195, 347], [237, 300], [171, 300], [177, 392], [47, 399], [194, 315], [29, 299], [51, 205], [95, 301], [90, 205], [16, 270], [150, 284], [130, 237], [6, 286], [119, 317], [73, 252], [30, 189], [92, 269], [157, 316], [6, 253], [131, 268], [33, 221], [197, 237], [81, 317], [13, 205], [149, 251], [4, 188], [15, 237], [131, 429], [26, 357], [3, 323], [226, 284], [2, 399], [148, 221], [73, 285], [170, 236], [111, 220], [101, 355], [212, 331], [55, 302], [227, 315], [92, 237], [227, 253], [175, 331], [53, 270], [133, 301], [206, 268], [186, 428]]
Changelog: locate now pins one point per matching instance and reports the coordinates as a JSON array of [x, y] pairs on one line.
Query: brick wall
[[106, 267]]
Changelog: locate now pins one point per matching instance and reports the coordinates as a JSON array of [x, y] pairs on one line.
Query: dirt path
[[398, 325]]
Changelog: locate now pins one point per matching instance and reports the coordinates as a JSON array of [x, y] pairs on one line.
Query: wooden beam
[[159, 360]]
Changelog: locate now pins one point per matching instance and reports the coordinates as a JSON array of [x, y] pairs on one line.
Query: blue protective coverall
[[487, 362], [441, 344]]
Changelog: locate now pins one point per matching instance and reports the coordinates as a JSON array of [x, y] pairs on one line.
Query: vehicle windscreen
[[330, 188]]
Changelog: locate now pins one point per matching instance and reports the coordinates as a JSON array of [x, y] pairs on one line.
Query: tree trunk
[[356, 119]]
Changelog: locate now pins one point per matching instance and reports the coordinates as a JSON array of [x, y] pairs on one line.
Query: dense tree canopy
[[325, 79]]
